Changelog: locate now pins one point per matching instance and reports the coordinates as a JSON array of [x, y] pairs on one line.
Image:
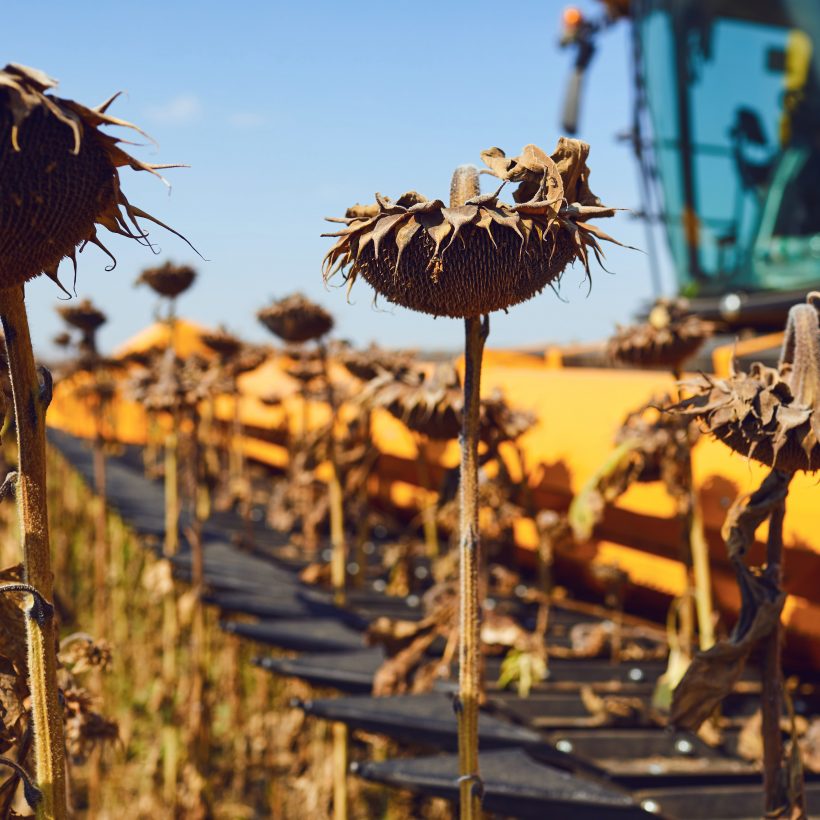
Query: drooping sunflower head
[[84, 316], [429, 404], [372, 361], [247, 359], [670, 335], [296, 319], [480, 254], [167, 279], [770, 414], [59, 177], [662, 440], [224, 344]]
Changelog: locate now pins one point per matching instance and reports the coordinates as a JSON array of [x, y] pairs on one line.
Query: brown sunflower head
[[248, 359], [296, 319], [371, 362], [480, 254], [168, 279], [770, 414], [62, 339], [501, 422], [663, 440], [306, 370], [429, 404], [84, 316], [174, 383], [59, 177], [224, 344], [669, 336]]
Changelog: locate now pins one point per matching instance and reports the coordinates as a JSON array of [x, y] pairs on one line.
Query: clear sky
[[290, 112]]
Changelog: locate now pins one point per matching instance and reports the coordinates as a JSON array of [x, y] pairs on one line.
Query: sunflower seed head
[[59, 176], [168, 279], [296, 319], [770, 414], [669, 336], [84, 316], [480, 254], [224, 344]]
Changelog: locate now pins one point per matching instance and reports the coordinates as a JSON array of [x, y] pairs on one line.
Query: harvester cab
[[726, 130]]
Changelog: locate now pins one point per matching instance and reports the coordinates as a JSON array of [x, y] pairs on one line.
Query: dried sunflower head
[[306, 371], [168, 279], [62, 339], [84, 316], [296, 319], [59, 177], [663, 440], [248, 358], [669, 336], [176, 383], [484, 255], [372, 361], [430, 405], [224, 344], [770, 414], [500, 422]]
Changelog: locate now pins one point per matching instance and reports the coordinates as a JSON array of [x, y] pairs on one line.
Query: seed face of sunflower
[[224, 344], [770, 414], [668, 337], [58, 177], [52, 195], [83, 316], [168, 279], [481, 256], [296, 319]]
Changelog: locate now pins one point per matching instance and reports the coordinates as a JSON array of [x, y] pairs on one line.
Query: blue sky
[[289, 112]]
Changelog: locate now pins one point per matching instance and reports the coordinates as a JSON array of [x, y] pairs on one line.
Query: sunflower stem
[[775, 787], [338, 545], [427, 499], [30, 413], [694, 549], [469, 650]]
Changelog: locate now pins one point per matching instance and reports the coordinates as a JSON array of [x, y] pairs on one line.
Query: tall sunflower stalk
[[667, 339], [465, 261], [62, 171], [771, 415], [297, 320]]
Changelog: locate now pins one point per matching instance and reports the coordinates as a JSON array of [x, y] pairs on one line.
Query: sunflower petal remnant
[[481, 256], [60, 180]]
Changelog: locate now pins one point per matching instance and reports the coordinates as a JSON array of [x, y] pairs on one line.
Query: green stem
[[30, 414], [469, 650]]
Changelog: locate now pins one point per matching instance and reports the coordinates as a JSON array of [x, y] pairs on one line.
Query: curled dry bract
[[770, 414], [296, 319], [59, 177], [485, 255]]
